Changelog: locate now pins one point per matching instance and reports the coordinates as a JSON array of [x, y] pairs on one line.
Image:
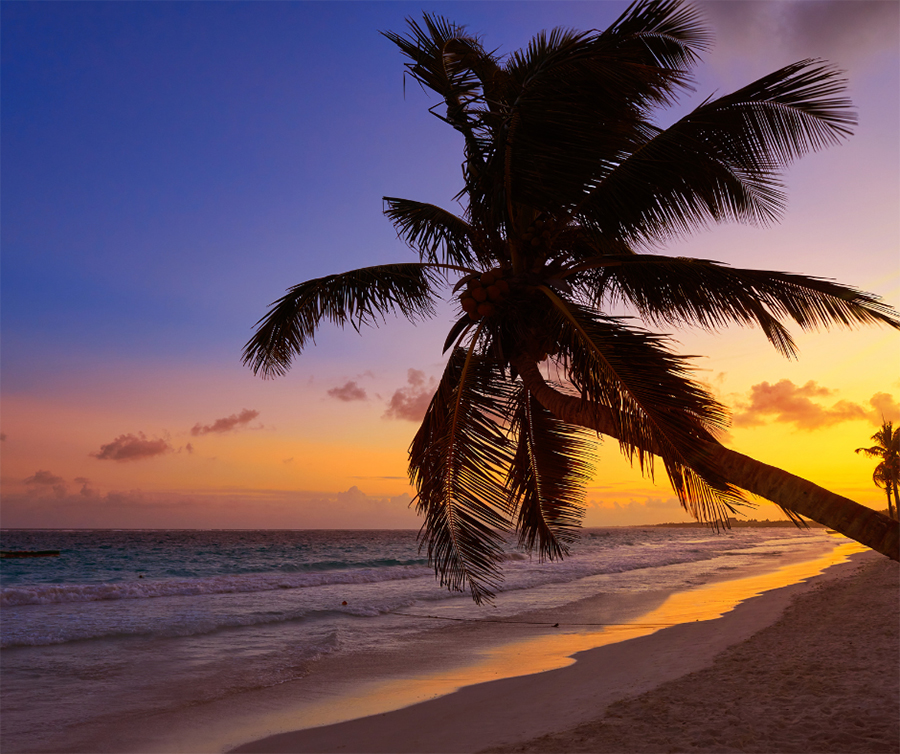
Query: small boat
[[28, 553]]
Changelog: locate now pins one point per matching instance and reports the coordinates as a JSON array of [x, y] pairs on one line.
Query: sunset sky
[[168, 169]]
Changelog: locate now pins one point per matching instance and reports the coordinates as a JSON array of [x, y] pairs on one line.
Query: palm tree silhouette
[[569, 192], [887, 472]]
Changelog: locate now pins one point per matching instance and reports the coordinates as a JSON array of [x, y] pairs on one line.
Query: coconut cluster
[[539, 233], [482, 295]]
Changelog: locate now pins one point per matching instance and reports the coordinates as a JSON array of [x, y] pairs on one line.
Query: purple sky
[[170, 168]]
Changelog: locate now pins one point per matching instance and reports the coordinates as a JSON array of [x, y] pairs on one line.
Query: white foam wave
[[46, 594]]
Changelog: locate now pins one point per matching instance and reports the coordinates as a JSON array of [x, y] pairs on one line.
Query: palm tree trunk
[[887, 489], [895, 514], [798, 495]]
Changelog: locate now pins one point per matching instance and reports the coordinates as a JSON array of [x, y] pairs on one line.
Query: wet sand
[[812, 667], [823, 678]]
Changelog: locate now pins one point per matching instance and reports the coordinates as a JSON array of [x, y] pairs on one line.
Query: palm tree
[[883, 481], [569, 191], [887, 472]]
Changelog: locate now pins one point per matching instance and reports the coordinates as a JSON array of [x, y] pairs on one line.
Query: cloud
[[411, 402], [640, 509], [226, 424], [847, 33], [235, 509], [85, 483], [842, 30], [48, 479], [789, 403], [44, 477], [349, 392], [132, 448], [885, 405]]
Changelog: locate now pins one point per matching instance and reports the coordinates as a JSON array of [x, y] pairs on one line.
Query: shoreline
[[506, 712], [825, 678], [270, 662]]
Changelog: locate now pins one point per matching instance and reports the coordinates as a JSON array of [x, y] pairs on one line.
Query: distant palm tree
[[568, 186], [883, 481], [887, 472]]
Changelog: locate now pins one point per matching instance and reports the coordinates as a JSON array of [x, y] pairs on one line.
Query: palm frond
[[672, 32], [360, 297], [550, 469], [452, 63], [678, 290], [457, 332], [887, 444], [881, 476], [457, 462], [583, 99], [426, 47], [436, 234], [575, 246], [657, 409], [723, 160]]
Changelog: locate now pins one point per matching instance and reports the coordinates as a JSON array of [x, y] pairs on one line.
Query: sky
[[169, 169]]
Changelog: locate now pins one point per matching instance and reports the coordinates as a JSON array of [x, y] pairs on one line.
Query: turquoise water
[[126, 627], [120, 556]]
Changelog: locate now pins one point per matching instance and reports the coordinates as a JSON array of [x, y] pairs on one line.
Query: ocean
[[136, 640]]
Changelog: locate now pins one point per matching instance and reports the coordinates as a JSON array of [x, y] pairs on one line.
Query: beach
[[318, 641], [822, 678], [811, 667]]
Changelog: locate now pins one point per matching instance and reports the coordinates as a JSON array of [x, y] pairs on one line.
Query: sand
[[811, 667], [824, 678]]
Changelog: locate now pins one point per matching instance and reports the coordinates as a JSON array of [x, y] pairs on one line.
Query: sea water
[[129, 626]]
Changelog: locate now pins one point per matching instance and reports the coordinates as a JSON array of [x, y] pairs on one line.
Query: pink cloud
[[252, 509], [789, 403], [224, 425], [85, 483], [349, 392], [44, 477], [132, 448], [886, 406], [411, 402], [48, 479], [850, 32]]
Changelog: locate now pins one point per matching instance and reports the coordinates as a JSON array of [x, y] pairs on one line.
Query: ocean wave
[[47, 594], [63, 633]]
